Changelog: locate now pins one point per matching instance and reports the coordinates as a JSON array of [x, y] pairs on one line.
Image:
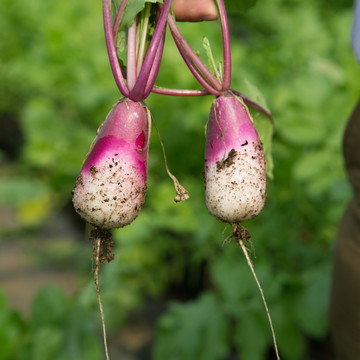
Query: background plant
[[56, 88]]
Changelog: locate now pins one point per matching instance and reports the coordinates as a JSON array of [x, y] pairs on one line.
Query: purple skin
[[235, 173], [111, 187]]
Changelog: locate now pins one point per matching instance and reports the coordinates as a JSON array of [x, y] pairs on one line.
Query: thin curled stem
[[181, 193]]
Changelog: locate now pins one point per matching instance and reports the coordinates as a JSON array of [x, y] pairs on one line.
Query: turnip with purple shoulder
[[235, 169], [110, 189], [235, 172]]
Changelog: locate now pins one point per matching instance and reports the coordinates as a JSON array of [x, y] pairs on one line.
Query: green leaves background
[[57, 85]]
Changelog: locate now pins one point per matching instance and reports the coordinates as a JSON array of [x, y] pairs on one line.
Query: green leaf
[[20, 190], [46, 343], [132, 8], [251, 336], [196, 330], [255, 95], [49, 307], [12, 330], [310, 306], [226, 271], [80, 335], [290, 340], [211, 60]]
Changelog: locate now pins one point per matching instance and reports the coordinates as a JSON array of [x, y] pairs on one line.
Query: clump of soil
[[106, 244]]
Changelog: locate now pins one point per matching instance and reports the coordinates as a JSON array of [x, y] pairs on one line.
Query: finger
[[195, 10]]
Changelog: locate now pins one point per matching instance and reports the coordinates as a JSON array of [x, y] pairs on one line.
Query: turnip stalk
[[144, 23], [131, 71], [137, 92], [154, 69], [226, 45], [110, 44], [179, 92], [118, 17], [192, 60]]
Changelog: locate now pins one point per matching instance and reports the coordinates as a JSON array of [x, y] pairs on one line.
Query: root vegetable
[[235, 173], [111, 187]]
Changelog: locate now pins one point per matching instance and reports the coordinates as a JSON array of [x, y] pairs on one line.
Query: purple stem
[[131, 73], [226, 44], [139, 88], [142, 40], [195, 71], [179, 92], [155, 68], [185, 48], [119, 17], [254, 105], [110, 44]]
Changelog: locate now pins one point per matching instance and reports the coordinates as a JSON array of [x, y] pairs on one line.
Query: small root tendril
[[240, 233], [103, 251]]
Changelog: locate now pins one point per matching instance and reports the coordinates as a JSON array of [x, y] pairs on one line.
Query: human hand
[[195, 10]]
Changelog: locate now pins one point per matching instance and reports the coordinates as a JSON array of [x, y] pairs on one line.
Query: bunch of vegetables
[[111, 187]]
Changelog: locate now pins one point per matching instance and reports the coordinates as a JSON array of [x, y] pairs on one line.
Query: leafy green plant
[[297, 53]]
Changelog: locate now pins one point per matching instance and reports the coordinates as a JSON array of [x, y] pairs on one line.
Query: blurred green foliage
[[58, 329], [58, 87]]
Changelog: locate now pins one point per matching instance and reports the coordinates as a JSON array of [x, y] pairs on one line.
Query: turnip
[[111, 187], [235, 173]]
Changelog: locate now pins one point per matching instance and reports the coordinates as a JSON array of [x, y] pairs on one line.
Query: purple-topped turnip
[[235, 173], [111, 187]]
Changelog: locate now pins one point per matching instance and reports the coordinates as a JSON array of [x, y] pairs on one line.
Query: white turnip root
[[111, 187], [235, 173]]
